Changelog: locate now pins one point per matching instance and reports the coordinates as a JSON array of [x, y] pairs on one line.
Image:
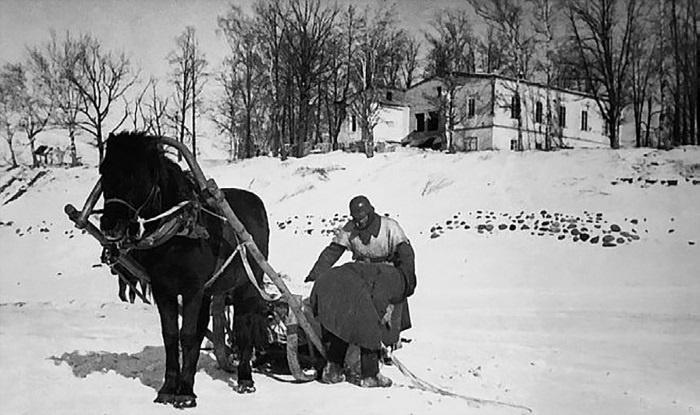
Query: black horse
[[140, 182]]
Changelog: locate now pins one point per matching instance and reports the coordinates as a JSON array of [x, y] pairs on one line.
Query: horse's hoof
[[245, 386], [165, 398], [185, 401]]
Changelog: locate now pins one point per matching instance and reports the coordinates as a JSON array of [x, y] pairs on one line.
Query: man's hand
[[386, 320]]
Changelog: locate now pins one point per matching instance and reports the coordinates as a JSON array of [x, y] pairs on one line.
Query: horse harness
[[184, 222]]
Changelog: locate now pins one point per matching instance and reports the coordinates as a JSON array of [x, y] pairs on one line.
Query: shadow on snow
[[147, 365]]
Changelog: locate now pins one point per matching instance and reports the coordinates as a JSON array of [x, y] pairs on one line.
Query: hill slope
[[513, 302]]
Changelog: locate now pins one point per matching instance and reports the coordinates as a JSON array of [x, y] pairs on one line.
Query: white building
[[392, 122], [485, 115]]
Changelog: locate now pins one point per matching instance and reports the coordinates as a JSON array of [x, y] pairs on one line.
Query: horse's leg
[[243, 324], [195, 317], [250, 326], [167, 308]]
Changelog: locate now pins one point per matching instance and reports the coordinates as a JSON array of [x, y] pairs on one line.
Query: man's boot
[[376, 381]]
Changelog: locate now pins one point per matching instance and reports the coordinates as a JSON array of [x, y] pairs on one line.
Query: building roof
[[464, 76]]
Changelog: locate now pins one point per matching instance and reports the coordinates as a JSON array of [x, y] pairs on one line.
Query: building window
[[515, 106], [514, 145], [584, 120], [439, 91], [354, 123], [471, 144], [471, 108], [538, 111], [389, 95], [420, 122], [433, 121], [562, 116]]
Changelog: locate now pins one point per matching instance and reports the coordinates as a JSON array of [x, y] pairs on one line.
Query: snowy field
[[513, 302]]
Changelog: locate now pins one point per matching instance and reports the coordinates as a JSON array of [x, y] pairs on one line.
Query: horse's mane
[[129, 149]]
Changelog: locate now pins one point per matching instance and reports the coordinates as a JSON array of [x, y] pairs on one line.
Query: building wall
[[480, 90], [474, 122], [423, 99], [483, 137], [573, 133], [349, 131], [393, 125]]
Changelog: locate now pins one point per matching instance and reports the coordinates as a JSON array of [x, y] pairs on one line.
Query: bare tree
[[59, 57], [510, 19], [137, 111], [452, 45], [645, 55], [394, 66], [243, 72], [189, 66], [157, 111], [12, 91], [341, 49], [492, 51], [199, 78], [308, 27], [682, 76], [101, 79], [37, 106], [270, 27], [452, 50], [410, 61], [602, 32], [376, 38], [546, 14], [226, 112]]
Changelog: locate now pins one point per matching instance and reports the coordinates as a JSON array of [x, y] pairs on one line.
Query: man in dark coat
[[363, 302]]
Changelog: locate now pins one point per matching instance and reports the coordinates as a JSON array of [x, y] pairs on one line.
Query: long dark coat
[[350, 300]]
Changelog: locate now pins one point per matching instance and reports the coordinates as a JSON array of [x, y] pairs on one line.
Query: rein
[[142, 222], [155, 189], [241, 250]]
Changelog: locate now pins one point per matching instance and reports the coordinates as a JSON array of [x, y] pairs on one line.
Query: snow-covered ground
[[509, 305]]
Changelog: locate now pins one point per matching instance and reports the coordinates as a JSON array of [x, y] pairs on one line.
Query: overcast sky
[[146, 29]]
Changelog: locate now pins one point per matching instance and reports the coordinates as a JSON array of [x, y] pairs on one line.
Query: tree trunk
[[100, 145], [183, 115], [194, 108], [613, 127], [248, 138], [450, 121], [368, 140], [650, 102], [9, 138], [637, 126], [32, 141], [73, 149], [302, 126], [548, 117]]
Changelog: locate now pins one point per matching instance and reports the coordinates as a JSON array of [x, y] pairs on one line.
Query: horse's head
[[130, 184]]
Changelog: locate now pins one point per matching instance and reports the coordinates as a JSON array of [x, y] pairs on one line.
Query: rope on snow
[[428, 387]]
